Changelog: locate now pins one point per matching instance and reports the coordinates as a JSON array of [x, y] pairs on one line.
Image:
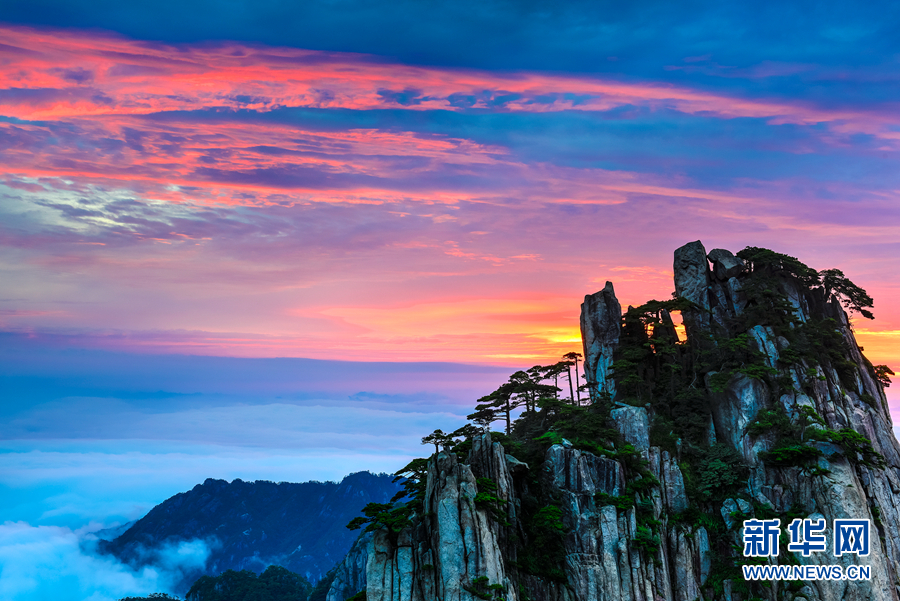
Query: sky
[[284, 241]]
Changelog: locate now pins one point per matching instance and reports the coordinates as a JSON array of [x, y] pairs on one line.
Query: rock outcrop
[[767, 410], [601, 315], [455, 544], [692, 283], [725, 264], [350, 574]]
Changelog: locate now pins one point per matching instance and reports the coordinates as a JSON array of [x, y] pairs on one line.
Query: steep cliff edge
[[767, 410]]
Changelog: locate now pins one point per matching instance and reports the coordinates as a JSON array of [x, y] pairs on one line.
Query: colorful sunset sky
[[265, 239]]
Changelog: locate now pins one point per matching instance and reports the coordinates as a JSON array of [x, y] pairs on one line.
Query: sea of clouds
[[61, 563], [92, 439]]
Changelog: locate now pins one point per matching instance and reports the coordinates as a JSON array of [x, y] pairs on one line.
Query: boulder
[[673, 484], [729, 507], [634, 425], [725, 264], [704, 554]]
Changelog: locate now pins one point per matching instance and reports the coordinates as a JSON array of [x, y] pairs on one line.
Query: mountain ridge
[[251, 525]]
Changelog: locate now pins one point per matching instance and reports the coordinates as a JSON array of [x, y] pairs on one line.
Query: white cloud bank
[[57, 563]]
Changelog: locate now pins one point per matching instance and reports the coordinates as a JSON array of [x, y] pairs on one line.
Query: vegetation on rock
[[274, 584]]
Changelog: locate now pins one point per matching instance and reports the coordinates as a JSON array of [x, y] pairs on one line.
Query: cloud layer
[[49, 562], [101, 435]]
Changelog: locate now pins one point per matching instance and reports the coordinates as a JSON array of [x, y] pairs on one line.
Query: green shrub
[[645, 539], [662, 433], [869, 400], [481, 588], [856, 447], [545, 551], [770, 420], [621, 502], [720, 471], [792, 455], [487, 499]]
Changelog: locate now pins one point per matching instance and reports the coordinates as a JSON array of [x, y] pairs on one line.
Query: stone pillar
[[601, 322]]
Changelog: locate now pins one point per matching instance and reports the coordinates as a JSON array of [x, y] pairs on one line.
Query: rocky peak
[[767, 410], [601, 316], [692, 283]]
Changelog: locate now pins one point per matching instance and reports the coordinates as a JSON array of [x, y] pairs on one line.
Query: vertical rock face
[[787, 429], [350, 576], [455, 543], [601, 316], [735, 409]]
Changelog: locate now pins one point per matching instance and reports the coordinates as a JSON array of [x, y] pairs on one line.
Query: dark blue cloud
[[76, 75], [287, 178], [408, 97], [807, 49], [714, 151]]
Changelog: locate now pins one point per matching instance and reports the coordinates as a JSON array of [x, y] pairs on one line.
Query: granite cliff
[[767, 409]]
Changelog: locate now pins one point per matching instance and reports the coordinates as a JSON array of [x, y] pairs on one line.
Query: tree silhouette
[[881, 374], [529, 388], [485, 414], [383, 515], [554, 371], [852, 296], [464, 432], [438, 439], [574, 357], [568, 369], [501, 401], [412, 478]]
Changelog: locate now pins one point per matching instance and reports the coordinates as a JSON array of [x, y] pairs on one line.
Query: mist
[[61, 564]]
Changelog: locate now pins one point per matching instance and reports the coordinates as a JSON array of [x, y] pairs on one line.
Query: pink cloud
[[64, 74]]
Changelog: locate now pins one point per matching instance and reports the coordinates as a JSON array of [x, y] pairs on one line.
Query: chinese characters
[[851, 537]]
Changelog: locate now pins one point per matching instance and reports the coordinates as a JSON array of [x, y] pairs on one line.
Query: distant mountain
[[114, 532], [251, 525]]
